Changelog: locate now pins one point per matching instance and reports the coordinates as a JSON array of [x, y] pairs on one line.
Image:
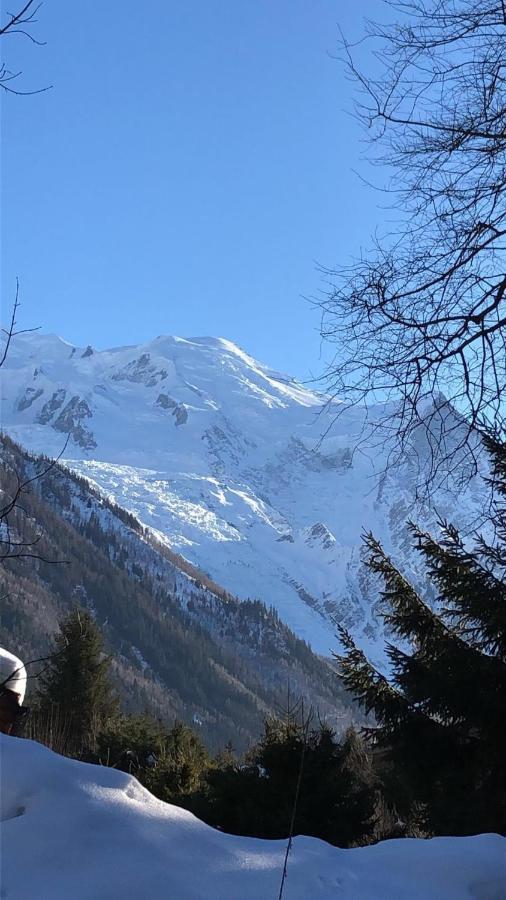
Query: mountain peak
[[246, 472]]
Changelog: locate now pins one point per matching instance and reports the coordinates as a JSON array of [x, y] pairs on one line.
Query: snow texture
[[72, 830], [224, 459]]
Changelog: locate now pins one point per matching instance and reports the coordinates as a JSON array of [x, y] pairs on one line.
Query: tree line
[[77, 712], [431, 761]]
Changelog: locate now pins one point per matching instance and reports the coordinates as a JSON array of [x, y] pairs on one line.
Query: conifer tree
[[441, 714], [182, 764], [171, 762], [132, 743], [76, 690], [337, 795]]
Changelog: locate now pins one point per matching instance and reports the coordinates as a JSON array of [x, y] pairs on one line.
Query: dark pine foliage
[[75, 691], [441, 715], [337, 796], [170, 762]]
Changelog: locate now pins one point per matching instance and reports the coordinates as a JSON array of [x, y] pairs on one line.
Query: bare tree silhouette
[[19, 23], [12, 544], [420, 318]]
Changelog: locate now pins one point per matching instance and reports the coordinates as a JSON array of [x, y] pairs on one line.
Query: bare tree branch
[[20, 23], [11, 511], [10, 332], [419, 321]]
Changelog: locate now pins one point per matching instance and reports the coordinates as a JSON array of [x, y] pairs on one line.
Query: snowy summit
[[223, 458]]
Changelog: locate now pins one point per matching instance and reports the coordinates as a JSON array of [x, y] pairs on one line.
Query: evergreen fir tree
[[441, 714], [182, 764], [171, 763], [76, 690], [131, 743], [337, 795]]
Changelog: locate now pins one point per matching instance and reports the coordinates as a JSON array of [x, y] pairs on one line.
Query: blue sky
[[187, 172]]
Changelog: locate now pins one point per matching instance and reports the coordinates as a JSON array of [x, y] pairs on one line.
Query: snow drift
[[92, 833]]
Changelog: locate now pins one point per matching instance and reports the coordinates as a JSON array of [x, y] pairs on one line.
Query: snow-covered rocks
[[318, 535], [88, 832]]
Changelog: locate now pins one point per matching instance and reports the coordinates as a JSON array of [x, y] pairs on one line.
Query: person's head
[[12, 691]]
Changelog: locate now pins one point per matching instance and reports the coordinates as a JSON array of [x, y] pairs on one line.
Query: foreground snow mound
[[81, 831]]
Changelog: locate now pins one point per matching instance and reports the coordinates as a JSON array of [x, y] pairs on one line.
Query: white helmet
[[12, 674]]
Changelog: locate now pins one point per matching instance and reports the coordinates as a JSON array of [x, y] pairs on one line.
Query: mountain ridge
[[256, 479], [181, 646]]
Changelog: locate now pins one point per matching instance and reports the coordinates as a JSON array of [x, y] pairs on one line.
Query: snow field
[[72, 830]]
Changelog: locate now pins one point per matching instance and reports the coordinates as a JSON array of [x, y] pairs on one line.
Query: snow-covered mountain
[[247, 473]]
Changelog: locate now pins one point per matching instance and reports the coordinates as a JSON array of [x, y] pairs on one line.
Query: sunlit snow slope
[[224, 458], [69, 829]]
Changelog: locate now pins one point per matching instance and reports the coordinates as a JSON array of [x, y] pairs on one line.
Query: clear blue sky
[[188, 170]]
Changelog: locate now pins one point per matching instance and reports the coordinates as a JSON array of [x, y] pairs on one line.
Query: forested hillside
[[181, 646]]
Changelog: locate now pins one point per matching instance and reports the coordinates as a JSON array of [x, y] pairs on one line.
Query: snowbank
[[71, 830]]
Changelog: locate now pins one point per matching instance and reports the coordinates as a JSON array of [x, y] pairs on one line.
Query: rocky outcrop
[[319, 535], [141, 371], [304, 595], [71, 421], [225, 444], [180, 414], [52, 406], [179, 410], [166, 402], [29, 397]]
